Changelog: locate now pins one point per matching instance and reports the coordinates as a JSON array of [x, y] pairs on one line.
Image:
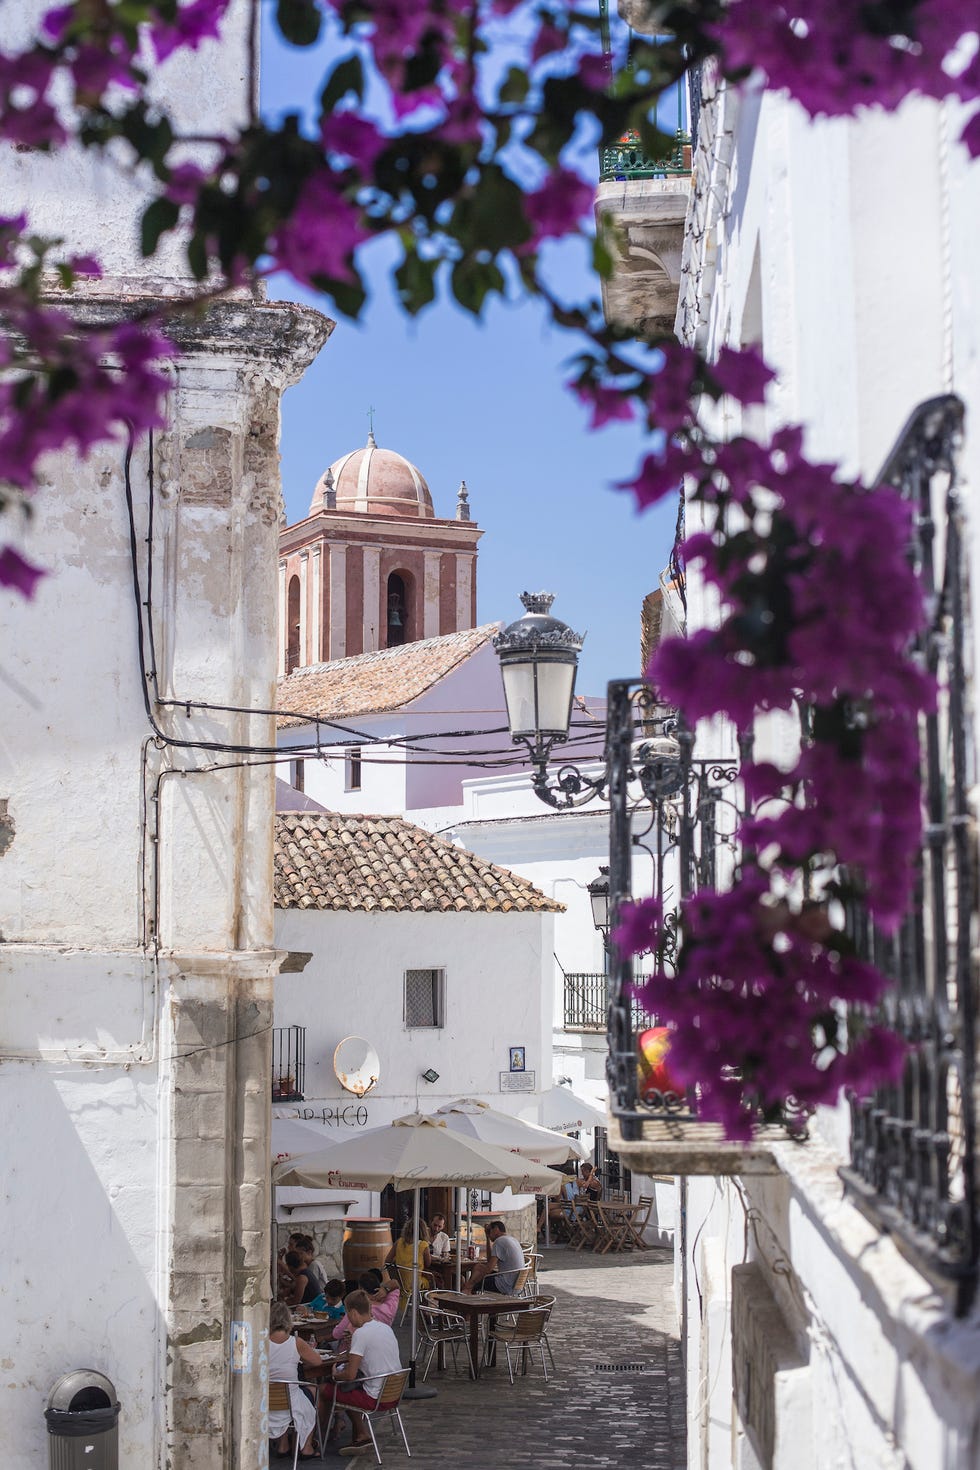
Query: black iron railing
[[288, 1063], [683, 812], [586, 1003], [913, 1146]]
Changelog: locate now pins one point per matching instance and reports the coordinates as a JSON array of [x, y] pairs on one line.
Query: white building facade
[[136, 892], [846, 251]]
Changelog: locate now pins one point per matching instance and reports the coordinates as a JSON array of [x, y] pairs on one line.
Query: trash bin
[[83, 1422]]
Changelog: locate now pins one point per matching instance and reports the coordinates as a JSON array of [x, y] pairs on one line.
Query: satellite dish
[[356, 1065]]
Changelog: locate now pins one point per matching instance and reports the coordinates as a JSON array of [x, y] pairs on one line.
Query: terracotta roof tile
[[384, 864], [371, 683]]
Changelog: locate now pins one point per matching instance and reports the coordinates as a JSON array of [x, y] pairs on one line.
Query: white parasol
[[475, 1119]]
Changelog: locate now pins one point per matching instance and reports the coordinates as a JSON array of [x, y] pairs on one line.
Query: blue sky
[[484, 403]]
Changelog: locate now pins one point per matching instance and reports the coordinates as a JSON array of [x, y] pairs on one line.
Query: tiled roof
[[387, 865], [371, 683]]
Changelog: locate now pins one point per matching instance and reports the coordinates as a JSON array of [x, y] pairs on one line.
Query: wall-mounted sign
[[241, 1347], [518, 1081], [336, 1115], [517, 1059]]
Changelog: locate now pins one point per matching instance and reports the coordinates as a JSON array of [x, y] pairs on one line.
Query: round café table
[[472, 1308]]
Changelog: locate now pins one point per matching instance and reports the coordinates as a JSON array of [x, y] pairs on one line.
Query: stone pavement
[[609, 1309]]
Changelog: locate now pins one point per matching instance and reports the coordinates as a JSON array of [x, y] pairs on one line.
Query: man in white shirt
[[439, 1245], [506, 1260], [373, 1355]]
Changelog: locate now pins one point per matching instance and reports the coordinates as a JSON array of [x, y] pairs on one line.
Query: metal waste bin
[[83, 1422]]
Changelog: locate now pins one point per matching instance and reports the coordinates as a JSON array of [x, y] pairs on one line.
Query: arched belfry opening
[[292, 625], [400, 613]]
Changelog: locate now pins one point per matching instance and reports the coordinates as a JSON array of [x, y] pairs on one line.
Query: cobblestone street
[[609, 1309]]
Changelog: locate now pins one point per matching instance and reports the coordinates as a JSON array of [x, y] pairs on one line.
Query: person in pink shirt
[[384, 1301]]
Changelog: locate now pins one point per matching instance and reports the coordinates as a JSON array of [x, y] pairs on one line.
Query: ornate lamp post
[[598, 891], [660, 799], [538, 662]]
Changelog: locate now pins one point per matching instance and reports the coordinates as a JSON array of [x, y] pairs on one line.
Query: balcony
[[288, 1063], [586, 1002]]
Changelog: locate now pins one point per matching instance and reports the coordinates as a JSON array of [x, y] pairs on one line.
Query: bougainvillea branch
[[471, 167]]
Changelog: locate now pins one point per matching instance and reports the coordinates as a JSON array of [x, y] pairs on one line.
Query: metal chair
[[426, 1282], [281, 1402], [545, 1303], [389, 1400], [522, 1334], [444, 1329]]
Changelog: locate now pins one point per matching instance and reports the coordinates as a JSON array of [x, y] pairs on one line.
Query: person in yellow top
[[400, 1255]]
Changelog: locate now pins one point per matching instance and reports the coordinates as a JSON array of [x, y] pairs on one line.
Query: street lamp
[[660, 798], [598, 891], [538, 660]]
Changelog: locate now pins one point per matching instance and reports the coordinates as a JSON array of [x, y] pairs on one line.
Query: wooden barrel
[[366, 1243]]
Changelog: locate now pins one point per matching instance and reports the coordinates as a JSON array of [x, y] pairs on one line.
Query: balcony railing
[[586, 1003], [288, 1063], [913, 1146], [627, 160]]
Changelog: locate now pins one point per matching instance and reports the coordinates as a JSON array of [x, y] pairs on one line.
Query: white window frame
[[352, 766]]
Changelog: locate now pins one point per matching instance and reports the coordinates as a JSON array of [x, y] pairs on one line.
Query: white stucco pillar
[[464, 593], [371, 634], [316, 603], [430, 595], [304, 602], [281, 637], [338, 602]]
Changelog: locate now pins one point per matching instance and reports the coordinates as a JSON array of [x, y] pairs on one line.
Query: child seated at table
[[334, 1293]]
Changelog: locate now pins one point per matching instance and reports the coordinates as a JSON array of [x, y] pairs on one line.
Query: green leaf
[[347, 76], [158, 217], [473, 280], [299, 21], [515, 86], [416, 281], [197, 256]]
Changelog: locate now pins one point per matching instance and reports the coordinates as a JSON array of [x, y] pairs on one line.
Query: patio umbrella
[[407, 1154], [475, 1119], [562, 1109], [291, 1137]]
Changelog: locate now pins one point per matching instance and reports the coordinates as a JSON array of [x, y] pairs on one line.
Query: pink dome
[[375, 481]]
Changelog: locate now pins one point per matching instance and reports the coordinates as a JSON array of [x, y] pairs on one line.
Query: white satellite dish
[[356, 1065]]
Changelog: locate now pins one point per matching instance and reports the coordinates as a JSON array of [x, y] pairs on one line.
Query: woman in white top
[[285, 1354]]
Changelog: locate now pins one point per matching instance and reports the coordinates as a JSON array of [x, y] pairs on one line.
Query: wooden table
[[472, 1308], [314, 1328]]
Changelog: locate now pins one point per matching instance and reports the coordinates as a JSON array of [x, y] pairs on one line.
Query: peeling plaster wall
[[136, 914]]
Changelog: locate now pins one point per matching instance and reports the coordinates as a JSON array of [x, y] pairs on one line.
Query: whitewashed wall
[[848, 250]]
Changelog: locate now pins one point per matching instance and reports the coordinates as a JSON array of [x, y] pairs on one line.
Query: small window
[[352, 769], [299, 775], [425, 994]]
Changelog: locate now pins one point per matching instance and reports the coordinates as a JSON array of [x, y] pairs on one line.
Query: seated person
[[334, 1294], [589, 1184], [305, 1247], [373, 1354], [286, 1352], [402, 1256], [501, 1270], [439, 1246], [383, 1296], [304, 1287]]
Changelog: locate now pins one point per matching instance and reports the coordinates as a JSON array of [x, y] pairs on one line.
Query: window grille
[[913, 1145], [352, 769], [424, 998], [288, 1063]]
